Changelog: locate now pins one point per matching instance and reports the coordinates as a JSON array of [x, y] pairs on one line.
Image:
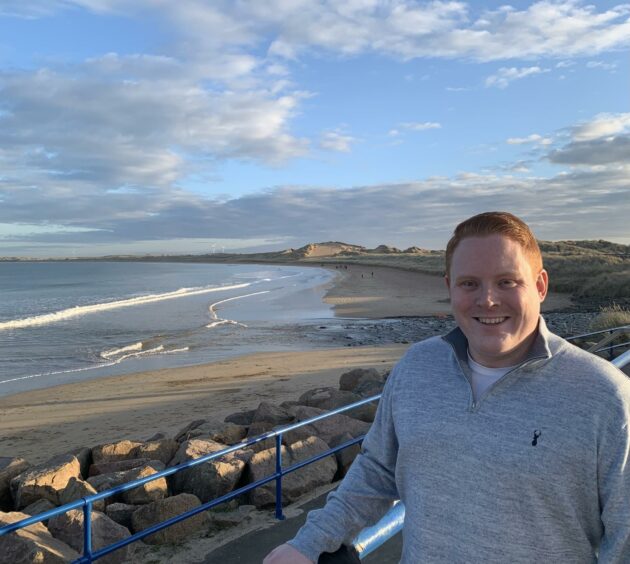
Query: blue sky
[[161, 127]]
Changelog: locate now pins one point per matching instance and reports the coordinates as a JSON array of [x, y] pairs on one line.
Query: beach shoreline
[[41, 423]]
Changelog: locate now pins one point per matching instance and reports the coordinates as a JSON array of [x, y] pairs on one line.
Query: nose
[[488, 296]]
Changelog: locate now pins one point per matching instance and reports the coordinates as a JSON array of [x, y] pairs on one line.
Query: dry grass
[[609, 317]]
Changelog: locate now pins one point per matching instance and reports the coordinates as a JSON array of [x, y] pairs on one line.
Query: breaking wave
[[78, 311]]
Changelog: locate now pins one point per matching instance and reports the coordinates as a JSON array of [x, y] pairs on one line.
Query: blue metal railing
[[86, 503]]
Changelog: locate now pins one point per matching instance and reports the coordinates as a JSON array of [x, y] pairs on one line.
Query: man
[[505, 442]]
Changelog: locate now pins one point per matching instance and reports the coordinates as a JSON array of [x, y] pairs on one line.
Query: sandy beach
[[38, 424]]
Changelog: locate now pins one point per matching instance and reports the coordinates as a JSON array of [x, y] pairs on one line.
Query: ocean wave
[[216, 320], [79, 311], [115, 352], [139, 353]]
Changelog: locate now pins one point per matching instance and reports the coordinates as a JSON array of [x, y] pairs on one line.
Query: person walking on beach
[[505, 442]]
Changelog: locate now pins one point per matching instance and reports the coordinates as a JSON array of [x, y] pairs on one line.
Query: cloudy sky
[[132, 126]]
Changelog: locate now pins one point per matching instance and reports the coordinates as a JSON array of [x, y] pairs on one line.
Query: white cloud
[[601, 126], [601, 65], [420, 126], [337, 141], [404, 29], [507, 75], [533, 138]]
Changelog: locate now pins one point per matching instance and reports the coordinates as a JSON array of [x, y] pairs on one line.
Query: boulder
[[327, 429], [112, 452], [76, 489], [38, 507], [157, 436], [233, 518], [241, 417], [146, 493], [68, 527], [162, 450], [84, 456], [119, 466], [344, 457], [369, 388], [32, 544], [214, 430], [331, 398], [121, 513], [350, 380], [164, 509], [297, 483], [45, 480], [211, 479], [272, 414], [9, 469], [104, 482]]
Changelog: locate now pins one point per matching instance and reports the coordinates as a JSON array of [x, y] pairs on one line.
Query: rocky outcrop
[[297, 483], [164, 509], [329, 428], [32, 544], [119, 466], [162, 450], [68, 527], [45, 481], [9, 469], [145, 493], [241, 417], [211, 479], [121, 513], [76, 489]]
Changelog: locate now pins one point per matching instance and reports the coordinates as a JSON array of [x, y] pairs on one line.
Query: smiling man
[[505, 442]]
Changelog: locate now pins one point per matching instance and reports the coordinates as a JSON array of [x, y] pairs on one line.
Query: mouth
[[490, 320]]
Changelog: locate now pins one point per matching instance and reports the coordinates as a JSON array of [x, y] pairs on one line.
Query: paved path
[[253, 547]]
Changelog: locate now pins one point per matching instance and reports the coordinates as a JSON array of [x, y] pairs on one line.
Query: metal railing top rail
[[622, 360], [600, 332]]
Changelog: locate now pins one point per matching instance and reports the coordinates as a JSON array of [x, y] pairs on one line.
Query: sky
[[152, 126]]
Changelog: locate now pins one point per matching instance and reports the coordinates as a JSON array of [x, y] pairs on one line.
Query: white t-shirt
[[483, 377]]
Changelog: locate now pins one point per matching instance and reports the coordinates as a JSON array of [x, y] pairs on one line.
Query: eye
[[468, 284], [507, 283]]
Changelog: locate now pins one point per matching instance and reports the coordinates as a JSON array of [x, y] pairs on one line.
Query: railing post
[[279, 514], [87, 531]]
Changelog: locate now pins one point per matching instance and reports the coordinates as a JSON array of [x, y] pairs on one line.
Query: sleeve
[[614, 491], [365, 494]]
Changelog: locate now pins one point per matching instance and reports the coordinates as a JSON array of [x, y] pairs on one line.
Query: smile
[[491, 320]]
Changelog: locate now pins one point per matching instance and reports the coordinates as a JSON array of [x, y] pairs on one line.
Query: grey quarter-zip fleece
[[537, 470]]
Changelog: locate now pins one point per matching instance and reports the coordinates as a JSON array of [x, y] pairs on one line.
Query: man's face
[[495, 298]]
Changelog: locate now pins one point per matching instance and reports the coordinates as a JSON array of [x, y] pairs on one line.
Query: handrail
[[575, 337], [86, 503]]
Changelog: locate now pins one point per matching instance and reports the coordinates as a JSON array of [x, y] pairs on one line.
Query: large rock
[[119, 466], [241, 417], [350, 380], [121, 513], [46, 480], [9, 469], [68, 527], [40, 506], [84, 456], [211, 479], [272, 414], [145, 493], [164, 509], [76, 489], [162, 450], [297, 483], [329, 428], [331, 398], [214, 430], [344, 457], [369, 388], [112, 452], [32, 544]]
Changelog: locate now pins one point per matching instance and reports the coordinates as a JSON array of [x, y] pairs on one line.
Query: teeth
[[491, 320]]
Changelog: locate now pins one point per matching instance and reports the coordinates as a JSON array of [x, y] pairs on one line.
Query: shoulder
[[596, 377]]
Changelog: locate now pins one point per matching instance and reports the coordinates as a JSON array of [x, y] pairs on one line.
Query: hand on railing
[[286, 554]]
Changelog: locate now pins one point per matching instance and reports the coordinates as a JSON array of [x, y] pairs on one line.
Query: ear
[[542, 284], [448, 283]]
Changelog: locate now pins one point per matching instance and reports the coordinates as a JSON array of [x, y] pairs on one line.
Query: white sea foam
[[218, 321], [156, 350], [115, 352], [78, 311]]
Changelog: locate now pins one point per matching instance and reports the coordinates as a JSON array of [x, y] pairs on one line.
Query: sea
[[69, 321]]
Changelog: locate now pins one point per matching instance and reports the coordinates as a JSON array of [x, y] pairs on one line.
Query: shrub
[[609, 317]]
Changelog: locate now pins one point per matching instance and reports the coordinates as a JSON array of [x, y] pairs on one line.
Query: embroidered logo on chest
[[536, 437]]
